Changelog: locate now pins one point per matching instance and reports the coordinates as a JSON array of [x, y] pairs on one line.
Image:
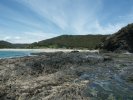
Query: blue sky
[[27, 21]]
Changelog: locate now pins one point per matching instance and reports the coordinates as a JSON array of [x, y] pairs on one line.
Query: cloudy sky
[[26, 21]]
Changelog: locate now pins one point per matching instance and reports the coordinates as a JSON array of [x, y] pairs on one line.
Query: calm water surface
[[10, 54]]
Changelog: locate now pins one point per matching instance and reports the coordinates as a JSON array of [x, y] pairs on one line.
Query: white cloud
[[27, 37], [64, 16], [11, 38], [40, 34], [74, 16], [97, 28], [30, 37], [77, 16], [7, 38], [67, 14], [17, 38]]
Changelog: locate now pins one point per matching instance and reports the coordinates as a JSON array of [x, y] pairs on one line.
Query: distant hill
[[4, 44], [21, 45], [63, 41], [71, 41], [122, 40]]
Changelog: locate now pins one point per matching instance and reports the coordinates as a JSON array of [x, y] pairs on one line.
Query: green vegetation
[[64, 41], [4, 44], [120, 41], [20, 45], [71, 41]]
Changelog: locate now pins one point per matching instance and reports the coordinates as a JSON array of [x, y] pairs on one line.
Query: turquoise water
[[11, 54]]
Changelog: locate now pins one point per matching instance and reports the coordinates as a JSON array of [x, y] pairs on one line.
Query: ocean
[[12, 54]]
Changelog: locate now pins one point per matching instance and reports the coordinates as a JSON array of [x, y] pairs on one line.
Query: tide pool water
[[11, 54]]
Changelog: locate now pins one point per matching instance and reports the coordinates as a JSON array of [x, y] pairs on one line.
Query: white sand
[[48, 50]]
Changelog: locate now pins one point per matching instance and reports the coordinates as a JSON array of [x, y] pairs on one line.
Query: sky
[[27, 21]]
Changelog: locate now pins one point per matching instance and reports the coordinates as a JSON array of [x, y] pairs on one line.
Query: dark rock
[[107, 58], [67, 76], [74, 51], [122, 40]]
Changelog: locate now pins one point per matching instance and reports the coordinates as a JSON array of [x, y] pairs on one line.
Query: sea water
[[12, 54]]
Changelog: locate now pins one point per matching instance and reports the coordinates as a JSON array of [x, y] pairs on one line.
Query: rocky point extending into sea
[[67, 76]]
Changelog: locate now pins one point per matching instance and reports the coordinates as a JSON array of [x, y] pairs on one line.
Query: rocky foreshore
[[67, 76]]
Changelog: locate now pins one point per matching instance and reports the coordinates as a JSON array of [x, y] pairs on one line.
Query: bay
[[12, 54]]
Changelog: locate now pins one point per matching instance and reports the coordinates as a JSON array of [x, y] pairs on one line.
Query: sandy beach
[[49, 50]]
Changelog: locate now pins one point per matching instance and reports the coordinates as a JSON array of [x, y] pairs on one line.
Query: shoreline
[[49, 50], [37, 51]]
